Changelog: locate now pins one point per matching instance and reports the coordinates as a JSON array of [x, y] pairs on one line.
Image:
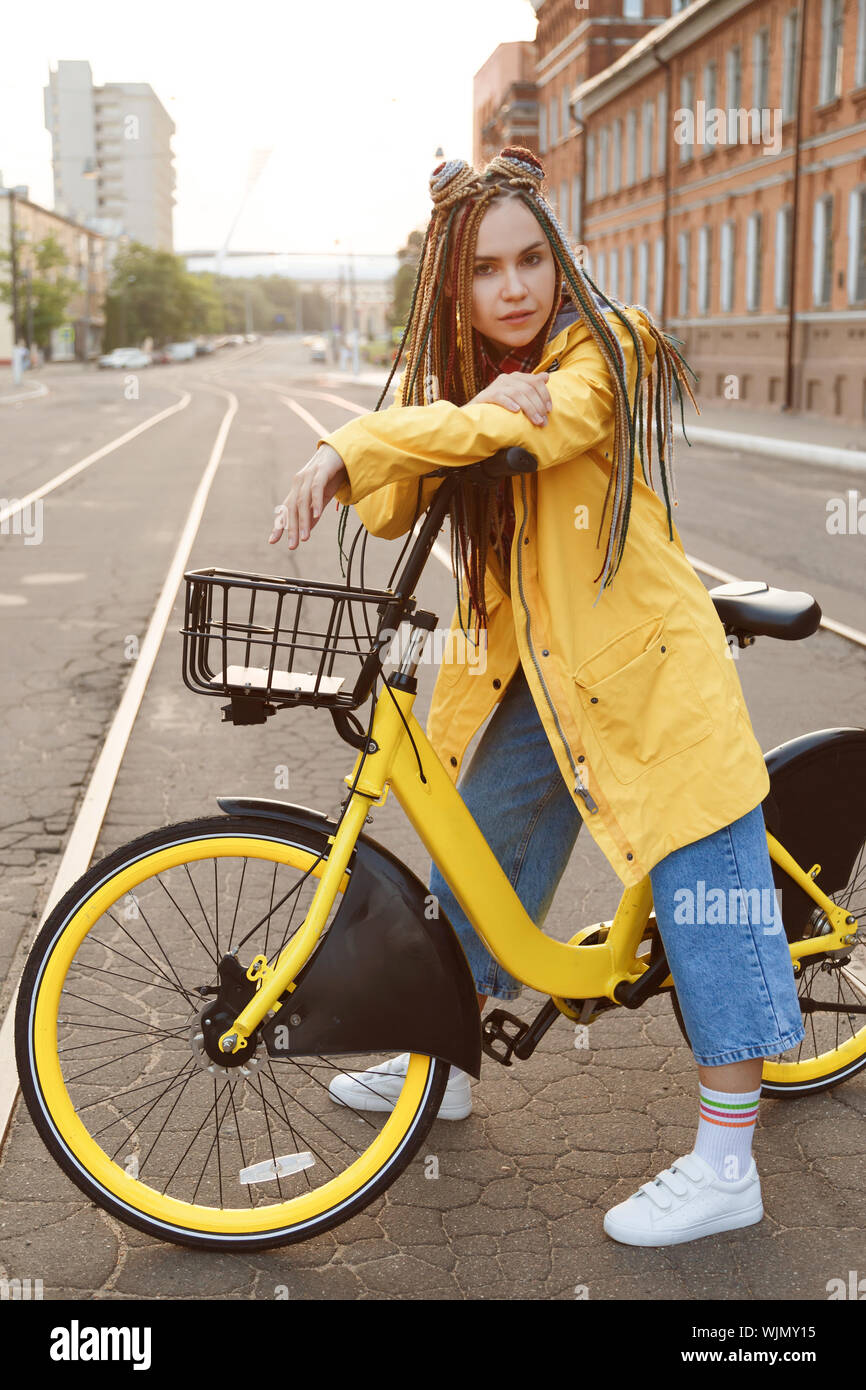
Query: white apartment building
[[112, 156]]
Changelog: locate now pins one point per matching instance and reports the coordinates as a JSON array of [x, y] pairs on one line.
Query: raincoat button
[[496, 683], [545, 652], [581, 758], [526, 540], [593, 699], [453, 762], [629, 856], [663, 648]]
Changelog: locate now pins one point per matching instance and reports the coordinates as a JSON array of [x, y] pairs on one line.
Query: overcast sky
[[352, 98]]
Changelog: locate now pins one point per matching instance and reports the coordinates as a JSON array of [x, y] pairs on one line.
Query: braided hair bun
[[521, 167], [452, 180]]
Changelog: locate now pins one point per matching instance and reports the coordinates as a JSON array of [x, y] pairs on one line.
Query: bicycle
[[180, 1010]]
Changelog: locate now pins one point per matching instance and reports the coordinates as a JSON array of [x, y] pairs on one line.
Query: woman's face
[[514, 272]]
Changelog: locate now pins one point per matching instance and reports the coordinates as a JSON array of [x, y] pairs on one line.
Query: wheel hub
[[235, 992]]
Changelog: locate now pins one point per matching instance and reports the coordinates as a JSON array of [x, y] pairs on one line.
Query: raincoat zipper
[[580, 787]]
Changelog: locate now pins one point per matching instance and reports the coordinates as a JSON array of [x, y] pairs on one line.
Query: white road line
[[82, 840], [21, 502], [39, 389], [320, 395]]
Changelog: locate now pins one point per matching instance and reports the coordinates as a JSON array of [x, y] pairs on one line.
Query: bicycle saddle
[[753, 607]]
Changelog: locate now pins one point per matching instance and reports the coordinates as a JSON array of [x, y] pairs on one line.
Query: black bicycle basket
[[270, 643]]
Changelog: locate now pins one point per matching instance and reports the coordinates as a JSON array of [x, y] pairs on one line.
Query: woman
[[626, 714]]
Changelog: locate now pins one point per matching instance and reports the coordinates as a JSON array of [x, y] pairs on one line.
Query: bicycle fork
[[275, 981]]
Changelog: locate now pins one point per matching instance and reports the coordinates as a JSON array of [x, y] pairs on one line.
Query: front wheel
[[111, 1029]]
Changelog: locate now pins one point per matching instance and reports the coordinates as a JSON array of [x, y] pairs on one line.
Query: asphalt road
[[523, 1183]]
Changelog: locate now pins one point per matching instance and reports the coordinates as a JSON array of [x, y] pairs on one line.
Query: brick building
[[712, 162], [86, 264]]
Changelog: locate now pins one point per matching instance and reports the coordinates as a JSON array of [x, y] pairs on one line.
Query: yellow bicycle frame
[[456, 844]]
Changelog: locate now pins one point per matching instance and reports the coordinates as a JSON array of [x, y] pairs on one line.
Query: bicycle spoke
[[178, 908], [203, 913]]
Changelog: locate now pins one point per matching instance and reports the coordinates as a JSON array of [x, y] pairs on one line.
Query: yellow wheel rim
[[133, 1193]]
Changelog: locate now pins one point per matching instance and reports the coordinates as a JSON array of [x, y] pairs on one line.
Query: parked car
[[132, 358], [159, 356], [251, 337], [203, 348], [319, 350], [180, 352]]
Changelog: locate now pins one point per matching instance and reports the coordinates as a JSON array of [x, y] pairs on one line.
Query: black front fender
[[387, 976], [816, 808]]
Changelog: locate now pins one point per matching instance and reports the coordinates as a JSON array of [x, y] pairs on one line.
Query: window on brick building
[[590, 167], [705, 260], [542, 128], [782, 257], [600, 276], [663, 128], [789, 64], [733, 89], [687, 104], [630, 147], [643, 273], [857, 245], [709, 87], [753, 261], [616, 173], [683, 267], [860, 51], [604, 159], [554, 112], [632, 9], [822, 242], [832, 18], [646, 148], [566, 114], [727, 246], [628, 274], [563, 204], [761, 69], [613, 275]]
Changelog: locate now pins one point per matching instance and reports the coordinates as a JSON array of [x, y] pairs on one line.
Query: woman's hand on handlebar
[[526, 391], [313, 487]]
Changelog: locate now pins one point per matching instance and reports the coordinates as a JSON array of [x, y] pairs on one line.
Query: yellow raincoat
[[639, 696]]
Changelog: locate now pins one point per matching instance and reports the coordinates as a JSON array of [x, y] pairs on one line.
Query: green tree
[[403, 282], [50, 291], [152, 295]]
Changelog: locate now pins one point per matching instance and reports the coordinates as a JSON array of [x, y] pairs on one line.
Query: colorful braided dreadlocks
[[442, 361]]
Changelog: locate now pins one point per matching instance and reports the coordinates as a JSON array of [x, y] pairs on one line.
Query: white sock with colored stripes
[[725, 1130]]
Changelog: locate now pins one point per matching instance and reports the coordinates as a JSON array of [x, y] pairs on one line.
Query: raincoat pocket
[[640, 700]]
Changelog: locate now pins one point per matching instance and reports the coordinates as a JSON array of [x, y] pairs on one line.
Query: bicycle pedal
[[493, 1030]]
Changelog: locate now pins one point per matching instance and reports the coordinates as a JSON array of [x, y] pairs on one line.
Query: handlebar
[[503, 464]]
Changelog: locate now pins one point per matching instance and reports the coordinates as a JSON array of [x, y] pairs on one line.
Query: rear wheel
[[112, 1042], [832, 992]]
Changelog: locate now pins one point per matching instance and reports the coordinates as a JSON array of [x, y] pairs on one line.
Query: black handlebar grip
[[508, 461]]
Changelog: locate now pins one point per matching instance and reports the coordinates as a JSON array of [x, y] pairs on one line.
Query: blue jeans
[[714, 900]]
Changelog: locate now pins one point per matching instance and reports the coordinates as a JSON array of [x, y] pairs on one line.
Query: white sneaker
[[378, 1089], [686, 1201]]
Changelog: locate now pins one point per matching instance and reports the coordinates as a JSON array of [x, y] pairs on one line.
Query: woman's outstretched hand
[[526, 391], [313, 487]]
